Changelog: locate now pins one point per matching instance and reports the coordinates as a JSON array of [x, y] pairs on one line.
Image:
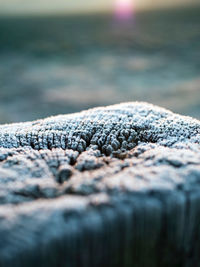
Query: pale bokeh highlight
[[123, 9]]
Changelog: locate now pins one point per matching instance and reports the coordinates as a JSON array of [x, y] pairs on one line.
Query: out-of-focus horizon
[[59, 62], [29, 7]]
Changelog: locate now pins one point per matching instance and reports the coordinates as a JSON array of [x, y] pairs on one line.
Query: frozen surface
[[127, 173]]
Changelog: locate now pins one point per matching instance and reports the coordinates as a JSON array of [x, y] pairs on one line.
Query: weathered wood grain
[[113, 186]]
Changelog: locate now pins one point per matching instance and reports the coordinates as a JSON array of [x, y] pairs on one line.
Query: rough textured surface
[[113, 186]]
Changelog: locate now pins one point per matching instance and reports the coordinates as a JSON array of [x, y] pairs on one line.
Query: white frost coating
[[127, 173], [111, 128], [143, 140]]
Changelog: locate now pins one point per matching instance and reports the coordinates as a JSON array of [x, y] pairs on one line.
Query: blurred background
[[65, 56]]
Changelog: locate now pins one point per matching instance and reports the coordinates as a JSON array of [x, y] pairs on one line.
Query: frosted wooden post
[[113, 186]]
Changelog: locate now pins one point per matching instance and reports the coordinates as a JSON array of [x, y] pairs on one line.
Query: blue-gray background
[[65, 63]]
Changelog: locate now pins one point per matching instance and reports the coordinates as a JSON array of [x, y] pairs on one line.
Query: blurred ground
[[51, 65]]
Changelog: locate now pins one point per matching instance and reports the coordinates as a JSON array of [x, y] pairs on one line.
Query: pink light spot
[[123, 9]]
